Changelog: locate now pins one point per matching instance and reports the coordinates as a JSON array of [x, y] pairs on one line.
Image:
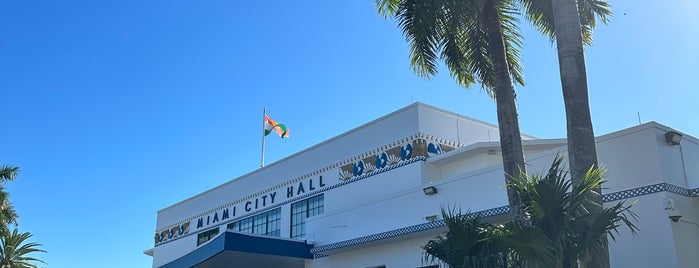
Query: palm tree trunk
[[582, 152], [510, 138]]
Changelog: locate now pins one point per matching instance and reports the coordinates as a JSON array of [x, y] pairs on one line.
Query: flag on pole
[[271, 125]]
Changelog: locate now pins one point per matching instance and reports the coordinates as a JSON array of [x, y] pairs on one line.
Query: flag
[[271, 125]]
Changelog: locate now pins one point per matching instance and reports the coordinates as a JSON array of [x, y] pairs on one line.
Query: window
[[263, 224], [206, 236], [302, 210]]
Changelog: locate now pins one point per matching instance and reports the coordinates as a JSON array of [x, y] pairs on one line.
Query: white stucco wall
[[469, 178], [407, 253]]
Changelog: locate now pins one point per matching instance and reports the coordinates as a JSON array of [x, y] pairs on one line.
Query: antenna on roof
[[639, 117]]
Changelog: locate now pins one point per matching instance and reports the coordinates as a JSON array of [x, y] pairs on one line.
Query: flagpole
[[262, 161]]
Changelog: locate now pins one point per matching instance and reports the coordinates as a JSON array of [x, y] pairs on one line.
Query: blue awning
[[232, 249]]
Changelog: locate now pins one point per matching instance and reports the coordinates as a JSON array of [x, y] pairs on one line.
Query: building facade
[[371, 197]]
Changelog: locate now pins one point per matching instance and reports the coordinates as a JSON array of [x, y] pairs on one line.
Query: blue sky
[[116, 109]]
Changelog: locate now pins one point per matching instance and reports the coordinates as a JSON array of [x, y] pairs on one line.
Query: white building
[[358, 200]]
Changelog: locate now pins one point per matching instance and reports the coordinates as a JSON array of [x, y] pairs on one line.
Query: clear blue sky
[[116, 109]]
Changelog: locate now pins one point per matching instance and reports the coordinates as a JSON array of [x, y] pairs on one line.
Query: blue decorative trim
[[318, 251], [639, 191], [677, 189], [377, 171], [650, 189], [301, 197], [322, 251]]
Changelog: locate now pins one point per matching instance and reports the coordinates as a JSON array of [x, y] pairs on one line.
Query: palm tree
[[562, 211], [471, 242], [571, 23], [479, 41], [14, 250], [8, 215], [8, 173]]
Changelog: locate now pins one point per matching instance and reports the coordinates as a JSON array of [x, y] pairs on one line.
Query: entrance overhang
[[238, 250]]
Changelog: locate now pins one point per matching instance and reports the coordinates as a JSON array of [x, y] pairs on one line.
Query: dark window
[[302, 210], [263, 224], [206, 236]]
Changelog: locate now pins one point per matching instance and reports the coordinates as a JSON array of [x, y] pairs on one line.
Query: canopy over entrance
[[237, 250]]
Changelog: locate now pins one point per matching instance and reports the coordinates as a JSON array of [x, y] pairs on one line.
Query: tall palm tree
[[562, 211], [479, 41], [14, 250], [571, 23]]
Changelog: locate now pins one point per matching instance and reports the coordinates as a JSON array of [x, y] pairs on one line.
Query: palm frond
[[508, 14], [454, 31], [15, 250], [387, 8], [469, 242], [477, 51], [453, 41], [419, 21], [8, 173], [563, 212], [529, 245], [540, 14]]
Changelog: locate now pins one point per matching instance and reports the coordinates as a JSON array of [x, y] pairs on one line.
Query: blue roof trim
[[319, 251], [323, 251], [651, 189], [243, 243], [304, 196]]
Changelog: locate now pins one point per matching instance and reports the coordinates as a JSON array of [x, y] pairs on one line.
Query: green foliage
[[560, 229], [540, 14], [8, 215], [15, 250], [469, 243], [8, 173], [456, 32], [561, 211]]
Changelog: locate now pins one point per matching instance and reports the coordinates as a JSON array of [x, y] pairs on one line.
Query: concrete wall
[[390, 128], [393, 199], [168, 252], [407, 253]]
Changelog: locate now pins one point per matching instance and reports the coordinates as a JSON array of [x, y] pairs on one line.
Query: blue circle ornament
[[381, 160], [358, 168], [406, 151], [434, 149]]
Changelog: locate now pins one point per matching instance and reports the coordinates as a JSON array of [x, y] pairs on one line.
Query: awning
[[238, 250]]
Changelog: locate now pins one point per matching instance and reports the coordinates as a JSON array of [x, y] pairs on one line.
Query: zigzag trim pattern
[[317, 251], [353, 159], [321, 251], [650, 189], [301, 197]]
